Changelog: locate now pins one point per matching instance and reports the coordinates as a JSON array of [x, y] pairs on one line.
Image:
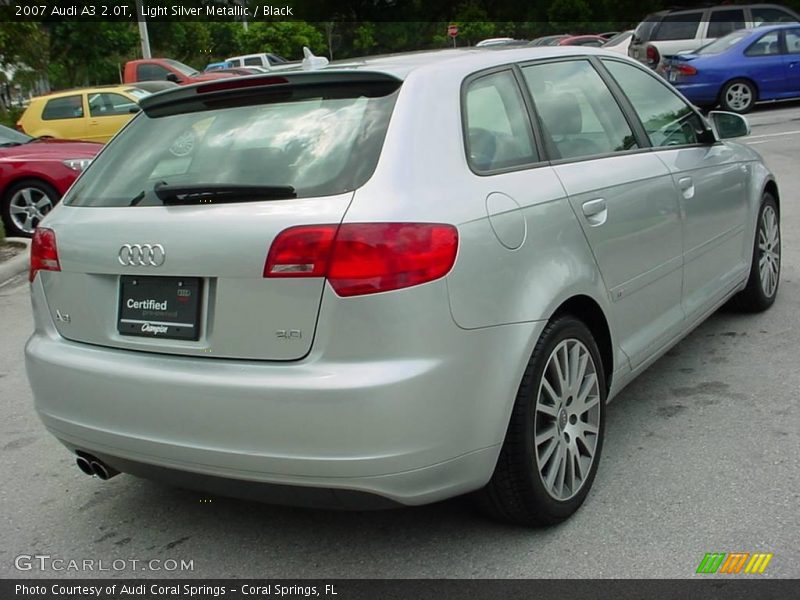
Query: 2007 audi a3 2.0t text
[[390, 281]]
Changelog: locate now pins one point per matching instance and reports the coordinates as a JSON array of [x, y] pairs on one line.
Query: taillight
[[19, 127], [365, 258], [653, 56], [301, 252], [686, 70], [44, 253]]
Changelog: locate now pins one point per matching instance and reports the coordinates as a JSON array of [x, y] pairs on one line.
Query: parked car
[[241, 71], [619, 43], [261, 59], [165, 69], [313, 288], [218, 65], [549, 40], [91, 114], [740, 69], [34, 174], [676, 31], [582, 40]]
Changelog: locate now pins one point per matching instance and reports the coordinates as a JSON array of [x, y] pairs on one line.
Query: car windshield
[[182, 68], [723, 43], [316, 142], [10, 137]]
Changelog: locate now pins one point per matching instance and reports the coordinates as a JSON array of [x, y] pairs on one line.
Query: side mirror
[[728, 125], [173, 78]]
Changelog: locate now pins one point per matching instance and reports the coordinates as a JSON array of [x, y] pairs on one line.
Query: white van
[[257, 60]]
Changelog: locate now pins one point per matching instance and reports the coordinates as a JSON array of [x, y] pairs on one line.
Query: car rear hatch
[[162, 242]]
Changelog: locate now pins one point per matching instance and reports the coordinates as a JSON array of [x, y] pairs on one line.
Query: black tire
[[38, 187], [517, 492], [727, 97], [754, 298]]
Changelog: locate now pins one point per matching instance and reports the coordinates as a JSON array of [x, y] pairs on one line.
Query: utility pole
[[143, 30]]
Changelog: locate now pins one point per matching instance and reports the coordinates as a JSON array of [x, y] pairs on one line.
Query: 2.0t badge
[[142, 255]]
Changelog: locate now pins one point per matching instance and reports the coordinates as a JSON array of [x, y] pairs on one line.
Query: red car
[[583, 40], [34, 174]]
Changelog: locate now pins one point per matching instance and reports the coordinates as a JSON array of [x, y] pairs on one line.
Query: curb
[[18, 264]]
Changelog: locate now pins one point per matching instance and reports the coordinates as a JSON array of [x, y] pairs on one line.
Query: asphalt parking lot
[[701, 455]]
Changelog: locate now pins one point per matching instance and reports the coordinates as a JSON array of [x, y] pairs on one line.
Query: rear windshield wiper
[[215, 193]]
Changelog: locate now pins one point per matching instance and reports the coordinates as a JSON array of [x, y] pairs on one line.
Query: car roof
[[459, 63], [87, 90], [711, 6], [470, 59]]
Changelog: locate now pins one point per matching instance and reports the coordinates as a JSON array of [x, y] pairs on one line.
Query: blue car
[[740, 69]]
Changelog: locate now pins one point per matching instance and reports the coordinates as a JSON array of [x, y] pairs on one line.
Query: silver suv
[[391, 281], [671, 32]]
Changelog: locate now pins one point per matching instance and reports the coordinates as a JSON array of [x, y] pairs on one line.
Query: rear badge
[[62, 317], [289, 334]]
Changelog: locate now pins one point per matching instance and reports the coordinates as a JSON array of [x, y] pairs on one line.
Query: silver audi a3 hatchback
[[390, 281]]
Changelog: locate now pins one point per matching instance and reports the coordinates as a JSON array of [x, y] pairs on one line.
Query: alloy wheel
[[27, 207], [739, 96], [567, 419], [769, 251]]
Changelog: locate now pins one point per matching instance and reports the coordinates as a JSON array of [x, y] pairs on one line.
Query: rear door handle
[[595, 211], [687, 187]]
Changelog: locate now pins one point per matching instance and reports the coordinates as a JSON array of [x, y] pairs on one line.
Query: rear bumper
[[413, 430]]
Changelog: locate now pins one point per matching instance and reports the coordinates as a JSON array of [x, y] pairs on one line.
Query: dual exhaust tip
[[93, 466]]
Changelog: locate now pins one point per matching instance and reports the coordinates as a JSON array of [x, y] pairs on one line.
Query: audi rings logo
[[142, 255]]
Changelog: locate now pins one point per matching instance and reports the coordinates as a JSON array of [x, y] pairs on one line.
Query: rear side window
[[765, 16], [150, 72], [667, 119], [253, 61], [68, 107], [319, 141], [577, 112], [793, 41], [498, 133], [723, 22], [682, 26], [766, 45]]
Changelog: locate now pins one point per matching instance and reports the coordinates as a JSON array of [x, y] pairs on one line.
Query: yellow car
[[93, 114]]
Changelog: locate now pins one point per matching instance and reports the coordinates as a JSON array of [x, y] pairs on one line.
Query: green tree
[[88, 52], [285, 38]]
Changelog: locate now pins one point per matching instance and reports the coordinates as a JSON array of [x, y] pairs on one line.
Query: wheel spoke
[[548, 434], [555, 464], [550, 391], [548, 453]]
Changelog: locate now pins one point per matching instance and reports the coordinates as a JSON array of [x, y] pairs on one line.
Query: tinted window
[[255, 60], [793, 41], [319, 141], [498, 133], [766, 45], [723, 22], [667, 118], [576, 110], [677, 27], [69, 107], [149, 72], [109, 105], [764, 16]]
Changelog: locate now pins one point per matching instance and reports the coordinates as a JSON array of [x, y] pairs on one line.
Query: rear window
[[320, 141], [723, 43], [682, 26]]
